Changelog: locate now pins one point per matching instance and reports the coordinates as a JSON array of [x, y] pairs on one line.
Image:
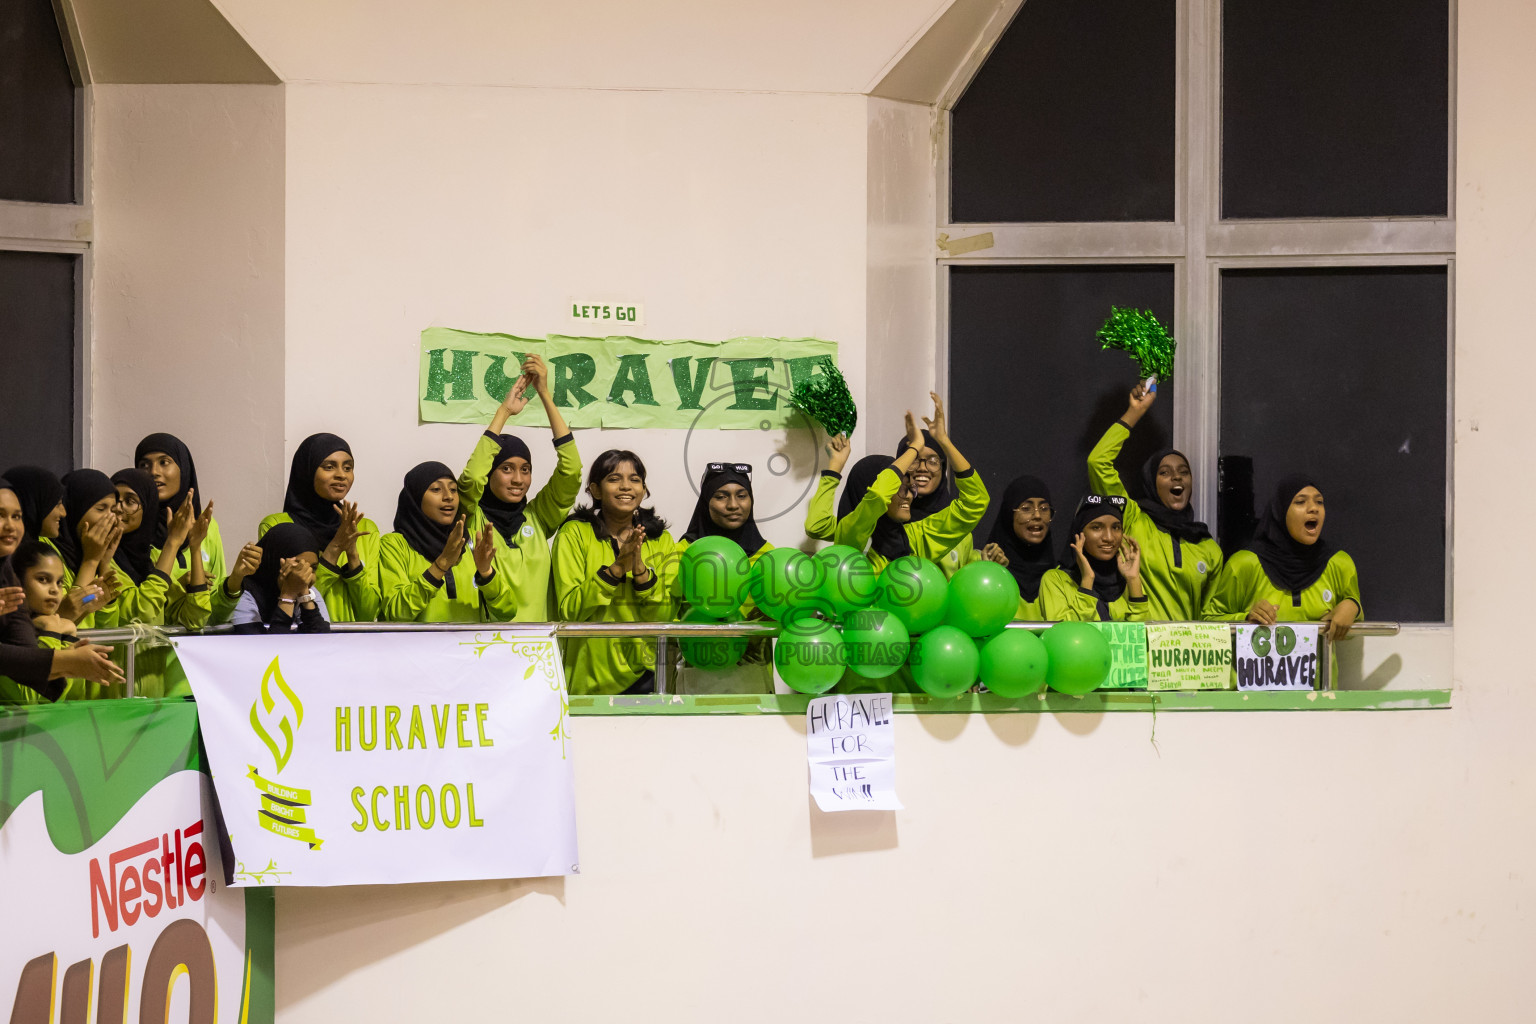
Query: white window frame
[[66, 227], [1198, 243]]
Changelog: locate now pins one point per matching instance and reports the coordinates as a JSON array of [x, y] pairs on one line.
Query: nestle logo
[[169, 873]]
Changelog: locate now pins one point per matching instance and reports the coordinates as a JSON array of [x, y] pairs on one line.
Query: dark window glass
[[37, 359], [37, 106], [1031, 391], [1071, 118], [1334, 109], [1342, 373]]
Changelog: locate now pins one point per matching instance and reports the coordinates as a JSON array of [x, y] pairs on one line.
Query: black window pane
[[37, 106], [1334, 109], [1071, 118], [1342, 373], [37, 359], [1031, 391]]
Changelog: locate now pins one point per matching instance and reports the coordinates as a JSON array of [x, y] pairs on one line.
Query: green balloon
[[809, 655], [875, 641], [982, 599], [784, 583], [1013, 663], [848, 581], [714, 652], [914, 589], [1077, 657], [713, 573], [944, 662]]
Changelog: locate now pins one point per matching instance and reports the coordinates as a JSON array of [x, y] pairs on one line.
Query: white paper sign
[[850, 741], [1278, 657], [366, 758]]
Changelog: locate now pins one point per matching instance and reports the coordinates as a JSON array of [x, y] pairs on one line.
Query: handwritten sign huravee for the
[[850, 741]]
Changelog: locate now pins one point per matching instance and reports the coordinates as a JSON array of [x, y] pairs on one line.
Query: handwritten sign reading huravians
[[1278, 657], [740, 384], [1189, 656], [850, 741]]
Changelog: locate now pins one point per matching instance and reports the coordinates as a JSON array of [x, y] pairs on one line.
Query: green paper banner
[[1128, 655], [740, 384], [1189, 656]]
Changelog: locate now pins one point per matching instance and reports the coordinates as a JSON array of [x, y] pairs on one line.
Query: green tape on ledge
[[1040, 703]]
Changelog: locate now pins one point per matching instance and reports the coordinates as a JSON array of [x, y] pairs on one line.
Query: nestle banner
[[344, 759], [111, 875]]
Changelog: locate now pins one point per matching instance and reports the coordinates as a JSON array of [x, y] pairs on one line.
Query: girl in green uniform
[[821, 515], [1021, 541], [1180, 558], [89, 535], [933, 491], [1289, 573], [614, 561], [41, 572], [423, 574], [1099, 579], [319, 480], [42, 500], [494, 487], [199, 559], [876, 507], [146, 576]]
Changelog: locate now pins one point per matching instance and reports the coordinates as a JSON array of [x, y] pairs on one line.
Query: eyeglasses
[[931, 462], [1033, 508], [734, 467]]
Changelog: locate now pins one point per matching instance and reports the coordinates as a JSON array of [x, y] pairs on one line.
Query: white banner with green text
[[346, 759]]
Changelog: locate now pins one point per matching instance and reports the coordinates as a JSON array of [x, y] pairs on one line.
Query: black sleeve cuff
[[834, 474], [1136, 600], [67, 638], [435, 583], [350, 572], [156, 572], [199, 589], [1085, 590], [1124, 424], [492, 435], [481, 581], [607, 577], [565, 438], [642, 587], [966, 473]]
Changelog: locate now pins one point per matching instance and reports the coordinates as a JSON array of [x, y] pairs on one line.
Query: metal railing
[[664, 633]]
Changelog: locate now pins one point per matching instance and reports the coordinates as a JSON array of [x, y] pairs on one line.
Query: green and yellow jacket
[[527, 590], [188, 606], [932, 538], [408, 594], [821, 514], [1177, 576], [1243, 582], [1062, 599], [586, 593], [351, 592]]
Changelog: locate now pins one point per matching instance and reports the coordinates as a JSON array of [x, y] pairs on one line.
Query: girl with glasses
[[1021, 542]]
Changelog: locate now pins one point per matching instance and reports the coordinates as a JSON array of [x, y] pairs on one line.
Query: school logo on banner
[[111, 875], [349, 759]]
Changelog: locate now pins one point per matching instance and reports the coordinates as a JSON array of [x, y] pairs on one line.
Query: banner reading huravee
[[1189, 656], [1278, 657], [740, 384], [111, 877], [389, 757]]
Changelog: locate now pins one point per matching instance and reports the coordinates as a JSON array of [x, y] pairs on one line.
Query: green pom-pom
[[825, 398], [1139, 333]]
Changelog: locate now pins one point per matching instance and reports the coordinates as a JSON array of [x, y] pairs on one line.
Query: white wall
[[486, 209], [187, 333]]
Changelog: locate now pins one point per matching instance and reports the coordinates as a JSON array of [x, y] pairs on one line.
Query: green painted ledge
[[1040, 703]]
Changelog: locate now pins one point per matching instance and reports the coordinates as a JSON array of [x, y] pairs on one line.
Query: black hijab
[[39, 492], [424, 536], [133, 551], [1289, 564], [506, 516], [82, 489], [1027, 562], [1179, 523], [716, 476], [304, 506], [924, 506], [1108, 583], [889, 539], [171, 445], [285, 540]]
